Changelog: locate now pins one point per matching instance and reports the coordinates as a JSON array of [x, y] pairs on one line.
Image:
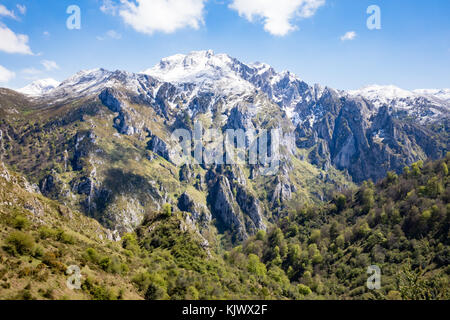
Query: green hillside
[[313, 252]]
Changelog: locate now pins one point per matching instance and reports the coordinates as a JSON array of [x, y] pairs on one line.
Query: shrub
[[155, 292], [192, 293], [129, 242], [142, 280], [167, 210], [92, 255], [19, 243], [255, 266], [64, 237], [46, 232], [97, 292], [38, 252], [304, 290], [315, 236], [50, 260], [105, 263], [20, 222]]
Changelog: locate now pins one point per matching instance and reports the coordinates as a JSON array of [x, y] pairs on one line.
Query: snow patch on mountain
[[424, 104], [382, 95], [443, 94], [386, 95], [206, 78], [209, 71], [39, 87]]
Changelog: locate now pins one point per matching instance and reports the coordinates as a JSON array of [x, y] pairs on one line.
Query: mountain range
[[100, 127], [88, 177]]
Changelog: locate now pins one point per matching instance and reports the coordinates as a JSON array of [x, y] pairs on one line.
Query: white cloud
[[13, 43], [349, 36], [166, 16], [6, 13], [22, 8], [109, 7], [110, 34], [6, 75], [277, 15], [114, 34], [49, 65]]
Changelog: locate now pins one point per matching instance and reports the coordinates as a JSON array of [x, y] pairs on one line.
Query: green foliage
[[311, 251], [255, 266], [402, 218], [130, 242], [20, 222], [46, 232], [413, 285], [445, 169], [97, 292], [19, 243], [304, 290], [167, 210]]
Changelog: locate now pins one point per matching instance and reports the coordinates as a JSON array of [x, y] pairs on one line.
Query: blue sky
[[412, 49]]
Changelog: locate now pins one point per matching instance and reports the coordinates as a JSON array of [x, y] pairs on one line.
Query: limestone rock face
[[232, 203], [226, 208], [199, 212], [159, 147]]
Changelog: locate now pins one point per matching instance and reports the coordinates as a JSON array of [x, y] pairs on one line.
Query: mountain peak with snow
[[203, 68], [39, 87], [381, 91], [443, 94]]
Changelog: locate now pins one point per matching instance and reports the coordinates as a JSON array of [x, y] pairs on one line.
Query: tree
[[341, 201], [255, 266], [315, 236], [304, 290]]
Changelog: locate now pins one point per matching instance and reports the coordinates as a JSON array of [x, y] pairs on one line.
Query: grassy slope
[[166, 259]]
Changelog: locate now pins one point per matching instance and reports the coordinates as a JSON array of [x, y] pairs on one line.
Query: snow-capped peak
[[203, 68], [443, 94], [425, 105], [373, 92], [86, 77], [39, 87], [387, 94]]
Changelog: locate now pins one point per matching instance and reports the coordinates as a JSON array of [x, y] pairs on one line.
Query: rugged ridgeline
[[314, 252], [99, 141]]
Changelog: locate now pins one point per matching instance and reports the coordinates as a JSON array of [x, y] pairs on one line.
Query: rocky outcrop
[[51, 186], [125, 122], [2, 148], [226, 208], [236, 208], [200, 213], [186, 173], [4, 173], [282, 191], [84, 143], [159, 147]]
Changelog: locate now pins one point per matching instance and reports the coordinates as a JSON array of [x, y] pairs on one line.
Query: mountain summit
[[203, 68], [39, 87]]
